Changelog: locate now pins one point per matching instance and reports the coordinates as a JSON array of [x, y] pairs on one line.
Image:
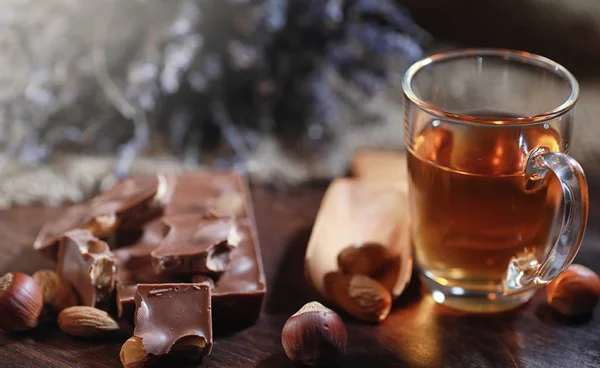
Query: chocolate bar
[[208, 193], [195, 244], [203, 279], [128, 205], [237, 293], [87, 263], [174, 318], [243, 284]]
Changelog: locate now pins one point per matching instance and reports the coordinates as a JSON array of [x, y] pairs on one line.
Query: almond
[[373, 260], [58, 294], [86, 322], [360, 296]]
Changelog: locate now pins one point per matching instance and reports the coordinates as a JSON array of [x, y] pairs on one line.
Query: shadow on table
[[550, 317], [27, 260], [290, 291], [488, 340], [383, 359]]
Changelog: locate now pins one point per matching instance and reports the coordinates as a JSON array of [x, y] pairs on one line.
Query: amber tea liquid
[[473, 207]]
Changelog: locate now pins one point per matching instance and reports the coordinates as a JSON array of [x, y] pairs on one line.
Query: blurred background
[[283, 90]]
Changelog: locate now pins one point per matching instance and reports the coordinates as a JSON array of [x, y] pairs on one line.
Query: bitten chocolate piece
[[209, 193], [128, 205], [174, 319], [87, 263], [195, 244]]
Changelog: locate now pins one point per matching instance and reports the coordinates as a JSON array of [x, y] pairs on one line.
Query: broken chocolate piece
[[131, 203], [243, 284], [238, 292], [127, 206], [87, 263], [208, 193], [174, 319], [198, 279], [134, 265], [51, 233], [195, 244]]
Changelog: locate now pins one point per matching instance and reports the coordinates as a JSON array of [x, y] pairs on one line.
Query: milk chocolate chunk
[[210, 194], [174, 319], [134, 266], [87, 263], [51, 233], [239, 292], [128, 205], [195, 244], [198, 279]]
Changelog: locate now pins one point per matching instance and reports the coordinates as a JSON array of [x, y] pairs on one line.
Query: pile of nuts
[[25, 300], [313, 335], [317, 335]]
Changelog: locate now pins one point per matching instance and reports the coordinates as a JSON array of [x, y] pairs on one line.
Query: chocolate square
[[173, 317], [195, 244], [209, 193]]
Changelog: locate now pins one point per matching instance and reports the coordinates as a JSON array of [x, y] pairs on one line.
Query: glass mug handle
[[525, 272]]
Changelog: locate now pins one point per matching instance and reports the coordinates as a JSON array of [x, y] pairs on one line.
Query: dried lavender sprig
[[292, 45], [396, 16], [229, 130], [129, 150], [385, 40]]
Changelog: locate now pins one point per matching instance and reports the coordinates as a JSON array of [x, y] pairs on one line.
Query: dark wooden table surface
[[418, 333]]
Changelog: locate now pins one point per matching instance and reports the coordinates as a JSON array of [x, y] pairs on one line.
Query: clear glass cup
[[498, 207]]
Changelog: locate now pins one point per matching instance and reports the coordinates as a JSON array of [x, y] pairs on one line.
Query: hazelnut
[[57, 293], [21, 302], [574, 292], [314, 335]]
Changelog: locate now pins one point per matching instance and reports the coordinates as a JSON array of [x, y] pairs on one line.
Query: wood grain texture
[[381, 166], [417, 334]]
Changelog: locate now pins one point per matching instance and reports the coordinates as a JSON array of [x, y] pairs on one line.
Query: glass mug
[[498, 207]]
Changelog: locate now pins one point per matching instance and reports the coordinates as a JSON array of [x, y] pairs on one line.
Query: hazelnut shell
[[574, 292], [314, 335], [21, 302]]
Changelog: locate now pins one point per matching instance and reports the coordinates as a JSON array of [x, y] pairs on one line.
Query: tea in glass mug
[[498, 208]]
